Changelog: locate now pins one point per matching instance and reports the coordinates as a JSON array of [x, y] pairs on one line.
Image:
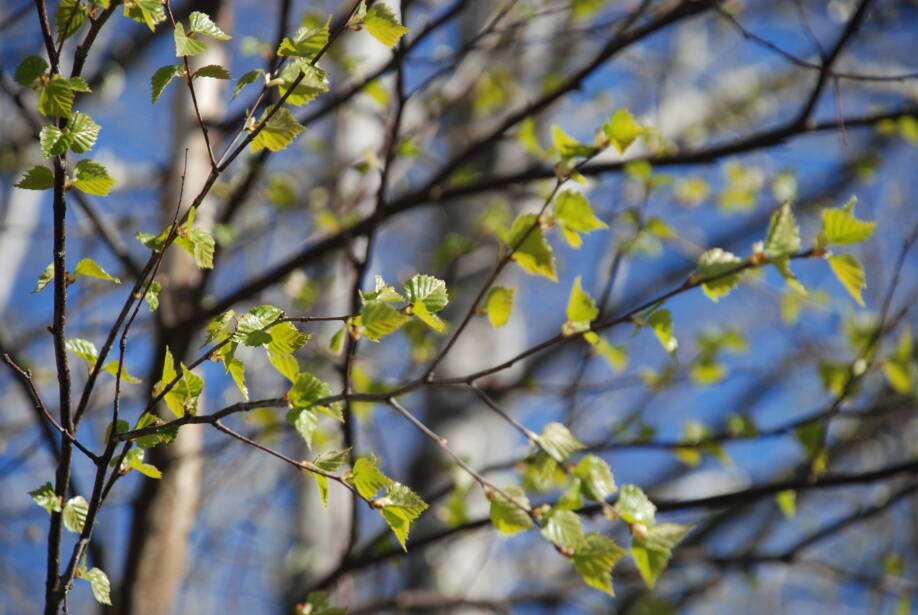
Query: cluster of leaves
[[593, 554]]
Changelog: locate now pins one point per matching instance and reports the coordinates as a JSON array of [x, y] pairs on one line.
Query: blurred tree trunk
[[164, 510]]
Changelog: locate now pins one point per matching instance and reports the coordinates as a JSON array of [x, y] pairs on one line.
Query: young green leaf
[[213, 71], [429, 290], [581, 310], [286, 338], [381, 292], [56, 97], [576, 216], [53, 141], [313, 83], [594, 557], [45, 497], [329, 461], [839, 226], [306, 390], [45, 278], [183, 397], [83, 132], [382, 23], [91, 268], [68, 17], [783, 233], [787, 502], [621, 130], [652, 551], [200, 244], [112, 368], [400, 506], [559, 442], [37, 178], [150, 12], [30, 69], [367, 478], [134, 461], [201, 23], [534, 254], [151, 295], [634, 506], [567, 146], [305, 421], [84, 349], [662, 324], [161, 78], [506, 515], [246, 79], [596, 481], [185, 45], [499, 305], [278, 133], [306, 43], [616, 355], [99, 584], [713, 265], [899, 367], [92, 178], [380, 319], [850, 273], [563, 528], [74, 514]]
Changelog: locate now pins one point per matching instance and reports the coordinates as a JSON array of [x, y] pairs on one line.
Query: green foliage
[[743, 186], [532, 251], [201, 23], [661, 322], [68, 17], [568, 147], [596, 481], [302, 397], [213, 71], [379, 319], [899, 366], [652, 550], [576, 216], [186, 44], [37, 178], [317, 603], [787, 502], [45, 497], [313, 82], [499, 305], [508, 515], [133, 460], [30, 69], [840, 226], [278, 132], [621, 130], [149, 12], [581, 310], [850, 273], [91, 268], [246, 79], [812, 438], [714, 266], [56, 96], [634, 506], [562, 528], [92, 178], [329, 461], [183, 397], [161, 78], [427, 295], [559, 442], [79, 135], [306, 43], [74, 513], [783, 233], [398, 504], [594, 557], [98, 583], [382, 23]]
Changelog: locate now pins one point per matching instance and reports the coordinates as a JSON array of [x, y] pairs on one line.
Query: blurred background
[[751, 103]]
